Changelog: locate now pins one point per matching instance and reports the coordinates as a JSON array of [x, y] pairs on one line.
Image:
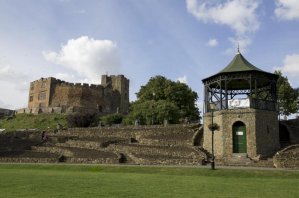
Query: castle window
[[42, 105], [32, 87], [43, 85], [100, 109], [30, 98], [42, 96]]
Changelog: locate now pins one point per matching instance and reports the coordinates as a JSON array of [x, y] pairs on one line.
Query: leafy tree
[[154, 112], [162, 99], [286, 96]]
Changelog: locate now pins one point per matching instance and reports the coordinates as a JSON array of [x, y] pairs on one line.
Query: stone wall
[[171, 135], [261, 132], [121, 84], [288, 157], [6, 112], [146, 145], [48, 95], [267, 133], [290, 130], [39, 90]]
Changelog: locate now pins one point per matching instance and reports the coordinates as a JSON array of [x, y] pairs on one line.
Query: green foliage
[[20, 180], [154, 112], [112, 119], [162, 99], [286, 95], [82, 120], [30, 121]]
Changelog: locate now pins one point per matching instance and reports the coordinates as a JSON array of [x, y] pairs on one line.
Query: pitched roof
[[239, 63]]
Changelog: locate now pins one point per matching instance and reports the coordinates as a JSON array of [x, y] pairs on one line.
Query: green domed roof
[[238, 64]]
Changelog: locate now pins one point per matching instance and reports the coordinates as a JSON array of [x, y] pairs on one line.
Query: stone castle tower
[[48, 95], [121, 85], [241, 100]]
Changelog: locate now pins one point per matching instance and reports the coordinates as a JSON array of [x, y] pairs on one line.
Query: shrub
[[82, 120], [112, 119]]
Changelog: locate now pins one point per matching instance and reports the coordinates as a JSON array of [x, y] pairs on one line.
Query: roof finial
[[238, 49]]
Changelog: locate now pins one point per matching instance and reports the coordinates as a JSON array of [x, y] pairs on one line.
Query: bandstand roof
[[240, 65]]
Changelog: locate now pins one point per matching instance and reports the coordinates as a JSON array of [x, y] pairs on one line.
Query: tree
[[162, 99], [154, 112], [286, 96]]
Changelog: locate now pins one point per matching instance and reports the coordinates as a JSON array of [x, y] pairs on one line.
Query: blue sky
[[186, 40]]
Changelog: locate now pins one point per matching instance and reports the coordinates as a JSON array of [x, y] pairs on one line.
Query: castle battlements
[[111, 96]]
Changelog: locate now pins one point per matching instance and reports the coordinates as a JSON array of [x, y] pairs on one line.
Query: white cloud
[[182, 79], [90, 58], [290, 65], [239, 15], [212, 43], [287, 9], [14, 87], [66, 77], [18, 79], [4, 105]]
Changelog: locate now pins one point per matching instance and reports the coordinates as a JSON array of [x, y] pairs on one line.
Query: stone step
[[164, 142], [247, 162], [174, 151], [27, 153], [80, 144], [92, 144], [162, 160], [28, 156], [91, 160], [28, 160], [76, 152]]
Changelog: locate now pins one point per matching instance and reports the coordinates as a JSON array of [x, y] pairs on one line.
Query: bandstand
[[241, 101]]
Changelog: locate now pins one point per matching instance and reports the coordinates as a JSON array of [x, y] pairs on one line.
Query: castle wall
[[262, 133], [53, 95], [6, 112], [121, 85], [267, 132], [38, 90]]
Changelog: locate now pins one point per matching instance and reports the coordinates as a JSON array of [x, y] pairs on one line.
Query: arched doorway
[[239, 138]]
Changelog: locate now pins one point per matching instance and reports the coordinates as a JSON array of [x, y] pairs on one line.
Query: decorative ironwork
[[258, 87]]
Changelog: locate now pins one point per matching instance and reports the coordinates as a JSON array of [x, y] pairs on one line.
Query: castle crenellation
[[64, 83], [48, 95]]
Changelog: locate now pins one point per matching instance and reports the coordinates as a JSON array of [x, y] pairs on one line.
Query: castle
[[51, 95]]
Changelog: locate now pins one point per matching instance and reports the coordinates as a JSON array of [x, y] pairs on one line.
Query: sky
[[183, 40]]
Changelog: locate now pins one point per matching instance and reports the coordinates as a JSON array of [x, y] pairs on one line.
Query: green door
[[239, 138]]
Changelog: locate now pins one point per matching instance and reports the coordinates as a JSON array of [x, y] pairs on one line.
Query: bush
[[112, 119], [82, 120]]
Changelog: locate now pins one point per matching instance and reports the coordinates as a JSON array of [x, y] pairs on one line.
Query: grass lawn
[[30, 121], [22, 180]]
